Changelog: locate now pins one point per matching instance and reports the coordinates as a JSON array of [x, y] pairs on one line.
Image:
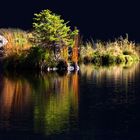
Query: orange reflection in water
[[14, 95], [14, 98]]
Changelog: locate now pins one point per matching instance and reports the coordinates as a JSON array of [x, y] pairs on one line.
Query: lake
[[96, 103]]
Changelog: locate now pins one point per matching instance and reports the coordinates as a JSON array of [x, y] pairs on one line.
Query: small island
[[52, 45]]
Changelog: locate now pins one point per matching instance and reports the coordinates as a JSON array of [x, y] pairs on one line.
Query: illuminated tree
[[51, 32]]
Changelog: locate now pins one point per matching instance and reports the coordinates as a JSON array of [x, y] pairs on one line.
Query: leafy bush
[[120, 59], [97, 59], [87, 59], [108, 59], [35, 56], [128, 58]]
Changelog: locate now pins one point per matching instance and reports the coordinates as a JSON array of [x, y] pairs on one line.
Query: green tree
[[50, 31]]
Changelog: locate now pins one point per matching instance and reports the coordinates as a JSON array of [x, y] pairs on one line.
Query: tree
[[52, 32]]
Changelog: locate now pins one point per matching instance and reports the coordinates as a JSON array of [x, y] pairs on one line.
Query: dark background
[[97, 19]]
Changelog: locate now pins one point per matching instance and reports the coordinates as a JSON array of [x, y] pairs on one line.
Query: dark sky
[[100, 19]]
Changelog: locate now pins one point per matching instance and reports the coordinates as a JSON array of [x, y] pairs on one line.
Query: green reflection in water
[[56, 104], [51, 101]]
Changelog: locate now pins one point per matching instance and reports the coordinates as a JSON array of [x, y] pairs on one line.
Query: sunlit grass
[[120, 51], [18, 41], [20, 53]]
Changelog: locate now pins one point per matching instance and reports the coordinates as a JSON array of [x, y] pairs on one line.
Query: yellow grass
[[18, 41], [121, 46]]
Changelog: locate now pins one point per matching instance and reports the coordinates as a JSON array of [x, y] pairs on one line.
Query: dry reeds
[[121, 50], [18, 41]]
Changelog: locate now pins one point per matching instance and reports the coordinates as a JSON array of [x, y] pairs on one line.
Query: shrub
[[97, 59], [135, 57], [87, 60], [128, 58], [104, 53], [120, 59], [108, 59]]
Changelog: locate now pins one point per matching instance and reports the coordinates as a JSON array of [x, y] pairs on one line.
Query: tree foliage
[[51, 31]]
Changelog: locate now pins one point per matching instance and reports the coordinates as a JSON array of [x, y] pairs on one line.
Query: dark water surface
[[93, 104]]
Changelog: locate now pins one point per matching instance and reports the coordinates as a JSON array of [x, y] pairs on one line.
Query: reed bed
[[103, 53], [20, 52], [18, 41]]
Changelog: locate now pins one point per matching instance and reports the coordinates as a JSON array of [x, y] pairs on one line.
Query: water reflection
[[48, 101], [14, 100], [75, 104], [117, 82], [111, 101], [58, 106]]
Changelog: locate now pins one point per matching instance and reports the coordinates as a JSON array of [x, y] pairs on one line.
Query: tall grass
[[121, 50], [18, 41], [20, 53]]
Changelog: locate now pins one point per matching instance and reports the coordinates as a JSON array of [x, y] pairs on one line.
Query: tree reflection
[[59, 104], [51, 99]]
